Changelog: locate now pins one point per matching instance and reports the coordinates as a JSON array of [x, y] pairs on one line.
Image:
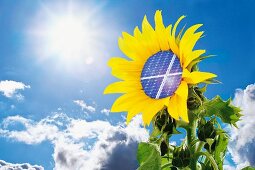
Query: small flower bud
[[165, 123], [205, 131], [163, 148], [193, 103], [181, 157]]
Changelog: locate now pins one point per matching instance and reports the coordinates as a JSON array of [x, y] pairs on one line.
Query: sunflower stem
[[200, 146], [191, 136], [209, 157]]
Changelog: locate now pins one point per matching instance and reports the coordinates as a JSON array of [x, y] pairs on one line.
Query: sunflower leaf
[[222, 109], [148, 156], [220, 149]]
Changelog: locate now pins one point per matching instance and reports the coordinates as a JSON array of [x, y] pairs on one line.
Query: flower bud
[[163, 148], [193, 103], [181, 157], [165, 123], [160, 121], [196, 97], [205, 131]]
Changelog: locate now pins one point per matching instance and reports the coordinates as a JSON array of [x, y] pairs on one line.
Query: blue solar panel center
[[161, 75]]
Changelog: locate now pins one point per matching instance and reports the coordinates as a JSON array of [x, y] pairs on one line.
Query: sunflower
[[158, 71]]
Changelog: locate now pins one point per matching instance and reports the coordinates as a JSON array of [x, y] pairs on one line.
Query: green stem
[[166, 165], [191, 137], [200, 146], [211, 159]]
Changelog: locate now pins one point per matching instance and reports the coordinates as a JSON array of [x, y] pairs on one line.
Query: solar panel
[[161, 75]]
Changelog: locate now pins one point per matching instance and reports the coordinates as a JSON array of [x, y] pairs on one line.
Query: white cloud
[[79, 144], [242, 142], [84, 106], [10, 88], [105, 111], [33, 133], [9, 166], [229, 167]]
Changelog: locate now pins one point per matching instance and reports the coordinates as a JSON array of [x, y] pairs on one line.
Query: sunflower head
[[158, 71]]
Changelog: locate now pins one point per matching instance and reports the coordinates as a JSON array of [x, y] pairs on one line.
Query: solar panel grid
[[156, 65], [176, 67], [156, 77]]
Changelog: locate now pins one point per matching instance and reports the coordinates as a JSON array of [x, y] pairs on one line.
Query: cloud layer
[[84, 106], [79, 144], [10, 88], [242, 145], [9, 166]]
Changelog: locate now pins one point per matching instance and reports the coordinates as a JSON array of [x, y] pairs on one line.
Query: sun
[[67, 37]]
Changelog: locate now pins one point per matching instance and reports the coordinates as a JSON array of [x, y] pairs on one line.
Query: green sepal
[[181, 157], [210, 142], [212, 81], [192, 66]]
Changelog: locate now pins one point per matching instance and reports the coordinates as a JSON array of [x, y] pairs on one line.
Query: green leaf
[[148, 156], [223, 109], [248, 168], [220, 149]]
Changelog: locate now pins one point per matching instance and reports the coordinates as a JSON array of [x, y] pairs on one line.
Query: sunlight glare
[[67, 37]]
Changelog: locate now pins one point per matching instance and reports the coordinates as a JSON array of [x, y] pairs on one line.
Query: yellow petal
[[176, 24], [192, 56], [182, 108], [127, 76], [149, 37], [126, 70], [172, 39], [188, 47], [138, 108], [123, 64], [188, 40], [182, 96], [130, 115], [190, 32], [122, 87], [161, 31], [182, 90], [172, 107], [131, 47], [153, 107], [137, 32], [196, 77], [126, 101]]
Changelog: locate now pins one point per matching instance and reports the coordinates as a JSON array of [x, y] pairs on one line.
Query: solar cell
[[161, 75]]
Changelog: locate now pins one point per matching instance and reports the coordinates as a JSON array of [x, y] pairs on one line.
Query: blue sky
[[51, 82]]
